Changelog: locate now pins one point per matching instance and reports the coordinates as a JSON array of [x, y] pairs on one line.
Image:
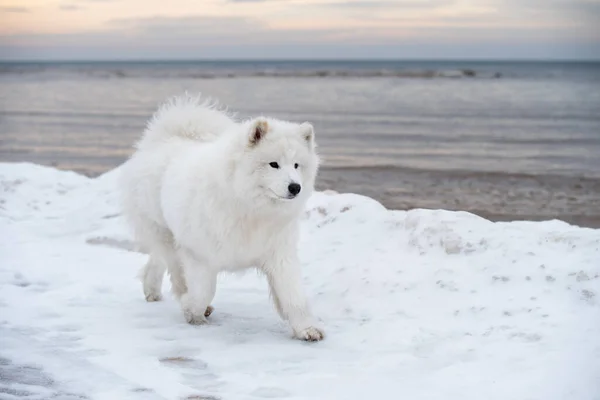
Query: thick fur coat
[[205, 194]]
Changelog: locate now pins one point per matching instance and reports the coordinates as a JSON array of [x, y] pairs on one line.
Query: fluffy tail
[[185, 117]]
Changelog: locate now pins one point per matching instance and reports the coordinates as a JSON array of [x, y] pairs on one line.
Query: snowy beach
[[419, 304]]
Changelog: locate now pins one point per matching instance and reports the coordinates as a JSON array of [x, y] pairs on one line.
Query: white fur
[[202, 198]]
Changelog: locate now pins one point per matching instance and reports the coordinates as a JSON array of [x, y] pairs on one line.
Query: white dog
[[207, 194]]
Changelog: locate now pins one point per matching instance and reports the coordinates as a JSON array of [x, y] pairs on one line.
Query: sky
[[299, 29]]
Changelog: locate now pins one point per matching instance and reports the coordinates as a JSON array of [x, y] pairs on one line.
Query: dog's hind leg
[[152, 278], [178, 285], [201, 282], [162, 256]]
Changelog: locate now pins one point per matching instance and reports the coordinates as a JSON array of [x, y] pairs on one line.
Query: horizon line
[[269, 59]]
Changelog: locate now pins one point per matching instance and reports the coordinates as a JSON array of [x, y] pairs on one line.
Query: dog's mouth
[[275, 196]]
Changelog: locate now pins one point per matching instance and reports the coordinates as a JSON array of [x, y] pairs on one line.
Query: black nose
[[294, 188]]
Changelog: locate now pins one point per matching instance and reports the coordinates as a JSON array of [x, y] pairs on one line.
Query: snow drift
[[417, 305]]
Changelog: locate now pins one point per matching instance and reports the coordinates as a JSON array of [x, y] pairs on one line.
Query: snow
[[424, 304]]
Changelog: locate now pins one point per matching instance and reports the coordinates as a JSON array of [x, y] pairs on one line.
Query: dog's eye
[[296, 165], [274, 164]]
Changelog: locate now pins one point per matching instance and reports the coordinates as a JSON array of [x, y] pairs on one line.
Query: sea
[[505, 140]]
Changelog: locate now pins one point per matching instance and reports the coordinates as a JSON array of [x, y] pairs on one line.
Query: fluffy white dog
[[207, 194]]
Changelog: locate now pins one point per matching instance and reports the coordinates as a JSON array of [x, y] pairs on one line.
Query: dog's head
[[279, 162]]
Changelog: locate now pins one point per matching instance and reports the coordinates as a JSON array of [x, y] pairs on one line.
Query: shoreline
[[491, 195]]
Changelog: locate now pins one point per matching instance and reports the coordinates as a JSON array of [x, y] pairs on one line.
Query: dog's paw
[[195, 319], [150, 297], [209, 310], [194, 313], [311, 334]]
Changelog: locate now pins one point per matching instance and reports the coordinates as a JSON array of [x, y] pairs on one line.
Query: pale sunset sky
[[304, 29]]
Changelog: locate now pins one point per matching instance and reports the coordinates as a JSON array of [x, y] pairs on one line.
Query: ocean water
[[506, 140]]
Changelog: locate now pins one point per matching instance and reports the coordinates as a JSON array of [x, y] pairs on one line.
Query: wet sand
[[498, 197], [495, 196]]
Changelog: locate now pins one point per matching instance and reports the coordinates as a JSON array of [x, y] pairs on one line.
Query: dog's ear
[[308, 133], [258, 129]]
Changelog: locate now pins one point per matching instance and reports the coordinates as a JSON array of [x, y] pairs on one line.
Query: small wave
[[190, 73], [331, 73]]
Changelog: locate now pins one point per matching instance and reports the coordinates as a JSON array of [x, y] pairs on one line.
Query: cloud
[[14, 9], [197, 28], [193, 33], [494, 28], [402, 4], [575, 6], [198, 31], [202, 30], [250, 1], [549, 11], [71, 7], [361, 3]]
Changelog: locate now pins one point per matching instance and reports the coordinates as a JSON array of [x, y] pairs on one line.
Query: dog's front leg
[[284, 275]]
